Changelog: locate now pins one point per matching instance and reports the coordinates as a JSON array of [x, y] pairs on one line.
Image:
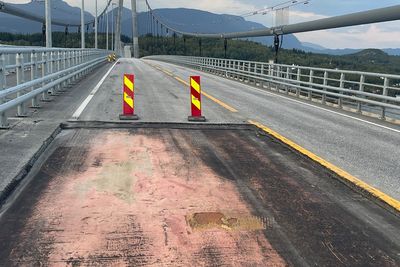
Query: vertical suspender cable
[[95, 25], [49, 41], [83, 24]]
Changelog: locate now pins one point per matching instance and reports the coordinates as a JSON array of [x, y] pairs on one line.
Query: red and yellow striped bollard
[[129, 98], [195, 99]]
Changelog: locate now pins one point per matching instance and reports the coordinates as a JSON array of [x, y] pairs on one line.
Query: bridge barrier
[[40, 71], [359, 91]]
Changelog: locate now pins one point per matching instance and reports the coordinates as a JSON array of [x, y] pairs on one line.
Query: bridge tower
[[135, 35]]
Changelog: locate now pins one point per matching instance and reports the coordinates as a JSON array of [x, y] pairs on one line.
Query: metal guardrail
[[28, 72], [364, 91]]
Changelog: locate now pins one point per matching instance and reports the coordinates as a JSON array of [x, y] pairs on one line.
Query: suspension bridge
[[112, 159]]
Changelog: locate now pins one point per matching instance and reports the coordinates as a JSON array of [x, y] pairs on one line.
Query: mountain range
[[187, 20]]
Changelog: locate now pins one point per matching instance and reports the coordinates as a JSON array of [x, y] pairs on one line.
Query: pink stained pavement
[[127, 205]]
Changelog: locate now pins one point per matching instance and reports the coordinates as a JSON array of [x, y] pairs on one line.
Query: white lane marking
[[306, 104], [84, 104]]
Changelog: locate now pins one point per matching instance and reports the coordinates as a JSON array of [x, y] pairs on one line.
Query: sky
[[381, 35]]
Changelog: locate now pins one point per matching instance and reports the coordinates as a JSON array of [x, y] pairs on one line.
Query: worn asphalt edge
[[23, 173], [342, 176]]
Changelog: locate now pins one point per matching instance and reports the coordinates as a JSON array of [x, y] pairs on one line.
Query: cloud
[[374, 36], [216, 6]]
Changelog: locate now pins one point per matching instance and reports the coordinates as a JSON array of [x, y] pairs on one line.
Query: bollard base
[[128, 117], [197, 119]]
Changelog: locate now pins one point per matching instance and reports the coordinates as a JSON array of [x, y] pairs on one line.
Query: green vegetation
[[371, 60]]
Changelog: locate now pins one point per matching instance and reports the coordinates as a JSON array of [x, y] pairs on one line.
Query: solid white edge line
[[86, 102], [303, 103]]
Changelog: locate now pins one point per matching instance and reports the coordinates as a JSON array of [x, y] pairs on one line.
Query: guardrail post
[[51, 70], [325, 82], [298, 79], [64, 65], [44, 73], [19, 58], [287, 76], [68, 64], [340, 100], [34, 77], [58, 67], [2, 72], [3, 118], [261, 75], [311, 80], [73, 61], [361, 89], [384, 93]]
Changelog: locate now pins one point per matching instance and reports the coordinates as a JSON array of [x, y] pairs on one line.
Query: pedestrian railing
[[374, 93], [31, 74]]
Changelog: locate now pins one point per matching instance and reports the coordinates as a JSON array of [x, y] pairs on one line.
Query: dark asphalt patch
[[316, 219]]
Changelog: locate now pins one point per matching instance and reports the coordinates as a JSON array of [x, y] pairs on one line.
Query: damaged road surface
[[170, 195]]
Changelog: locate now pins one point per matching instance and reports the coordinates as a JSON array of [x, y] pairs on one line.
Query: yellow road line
[[182, 81], [168, 73], [219, 102], [343, 174]]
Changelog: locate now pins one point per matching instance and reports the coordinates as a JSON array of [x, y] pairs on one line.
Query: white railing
[[375, 93], [30, 73]]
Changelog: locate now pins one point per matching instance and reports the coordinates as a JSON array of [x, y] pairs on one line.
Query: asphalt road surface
[[367, 151], [175, 195], [166, 192]]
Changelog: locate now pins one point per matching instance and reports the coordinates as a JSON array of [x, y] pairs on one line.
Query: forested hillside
[[371, 60]]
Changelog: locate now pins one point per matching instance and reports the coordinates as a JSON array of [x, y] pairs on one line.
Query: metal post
[[2, 72], [362, 84], [19, 58], [107, 14], [324, 89], [58, 66], [83, 24], [135, 34], [385, 93], [311, 80], [3, 118], [118, 28], [299, 83], [49, 41], [34, 77], [95, 26], [112, 27], [340, 100], [51, 70], [44, 73]]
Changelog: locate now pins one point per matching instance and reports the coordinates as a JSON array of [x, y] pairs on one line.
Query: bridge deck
[[173, 195], [179, 195]]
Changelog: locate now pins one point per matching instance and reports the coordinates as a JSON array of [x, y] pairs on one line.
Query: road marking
[[343, 174], [314, 106], [308, 104], [219, 102], [86, 102], [328, 110]]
